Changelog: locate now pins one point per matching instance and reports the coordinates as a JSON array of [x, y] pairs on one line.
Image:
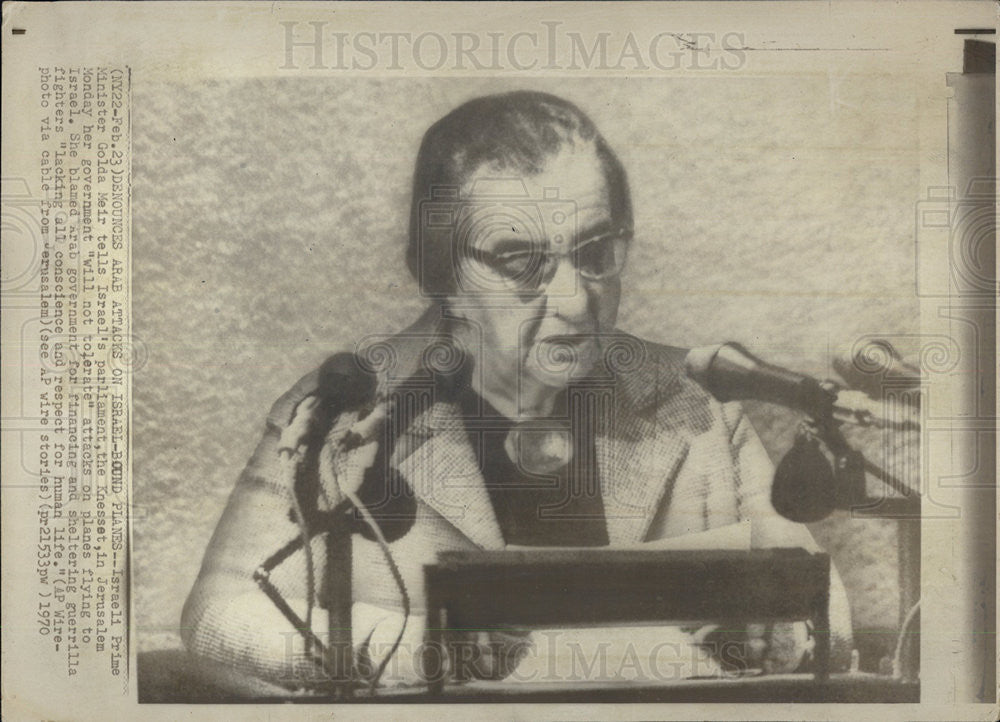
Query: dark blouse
[[562, 507]]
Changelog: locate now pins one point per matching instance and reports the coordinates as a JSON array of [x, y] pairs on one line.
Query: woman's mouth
[[567, 339]]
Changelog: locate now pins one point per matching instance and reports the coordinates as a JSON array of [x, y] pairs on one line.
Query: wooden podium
[[564, 588]]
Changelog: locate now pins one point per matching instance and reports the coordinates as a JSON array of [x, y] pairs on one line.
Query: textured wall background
[[269, 226]]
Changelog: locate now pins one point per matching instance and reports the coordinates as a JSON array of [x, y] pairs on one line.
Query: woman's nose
[[565, 294]]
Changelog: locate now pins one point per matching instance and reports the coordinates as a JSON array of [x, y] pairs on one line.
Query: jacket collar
[[638, 455]]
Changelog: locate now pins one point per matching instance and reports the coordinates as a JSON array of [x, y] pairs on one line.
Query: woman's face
[[538, 263]]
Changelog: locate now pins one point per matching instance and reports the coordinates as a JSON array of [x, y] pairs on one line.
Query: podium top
[[564, 587], [602, 555]]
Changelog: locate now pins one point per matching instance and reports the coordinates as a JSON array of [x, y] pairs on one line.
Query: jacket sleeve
[[754, 474]]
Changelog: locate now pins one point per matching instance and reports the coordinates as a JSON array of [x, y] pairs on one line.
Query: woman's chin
[[559, 362]]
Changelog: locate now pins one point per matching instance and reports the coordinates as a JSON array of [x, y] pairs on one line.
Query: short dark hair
[[516, 131]]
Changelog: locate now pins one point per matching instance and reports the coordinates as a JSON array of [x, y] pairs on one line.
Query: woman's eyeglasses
[[530, 267]]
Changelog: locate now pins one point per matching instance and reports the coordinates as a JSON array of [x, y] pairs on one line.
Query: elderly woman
[[514, 413]]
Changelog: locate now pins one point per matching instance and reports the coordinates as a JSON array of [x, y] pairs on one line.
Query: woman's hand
[[778, 648], [787, 646]]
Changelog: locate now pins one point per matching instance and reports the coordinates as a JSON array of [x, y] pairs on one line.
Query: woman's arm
[[227, 619]]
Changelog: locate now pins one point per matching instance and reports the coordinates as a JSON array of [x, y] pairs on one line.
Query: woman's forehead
[[575, 174], [565, 200]]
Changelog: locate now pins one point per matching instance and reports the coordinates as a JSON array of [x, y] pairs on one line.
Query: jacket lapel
[[444, 471], [636, 470], [639, 453]]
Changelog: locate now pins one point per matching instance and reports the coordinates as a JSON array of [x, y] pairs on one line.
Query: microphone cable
[[897, 657], [290, 454], [396, 575], [300, 520], [383, 544]]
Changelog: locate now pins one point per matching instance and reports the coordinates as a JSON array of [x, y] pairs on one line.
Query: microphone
[[344, 385], [340, 386], [730, 372], [806, 488], [876, 366], [803, 489]]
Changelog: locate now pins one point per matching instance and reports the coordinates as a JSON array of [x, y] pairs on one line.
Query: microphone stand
[[806, 488], [850, 493], [335, 661], [298, 451], [849, 469]]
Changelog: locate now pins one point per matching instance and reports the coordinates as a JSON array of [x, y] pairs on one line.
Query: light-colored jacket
[[671, 461]]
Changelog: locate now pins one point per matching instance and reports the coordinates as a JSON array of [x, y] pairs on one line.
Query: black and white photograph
[[525, 353]]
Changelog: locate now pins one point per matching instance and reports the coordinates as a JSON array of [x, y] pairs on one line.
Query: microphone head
[[804, 484], [344, 383]]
